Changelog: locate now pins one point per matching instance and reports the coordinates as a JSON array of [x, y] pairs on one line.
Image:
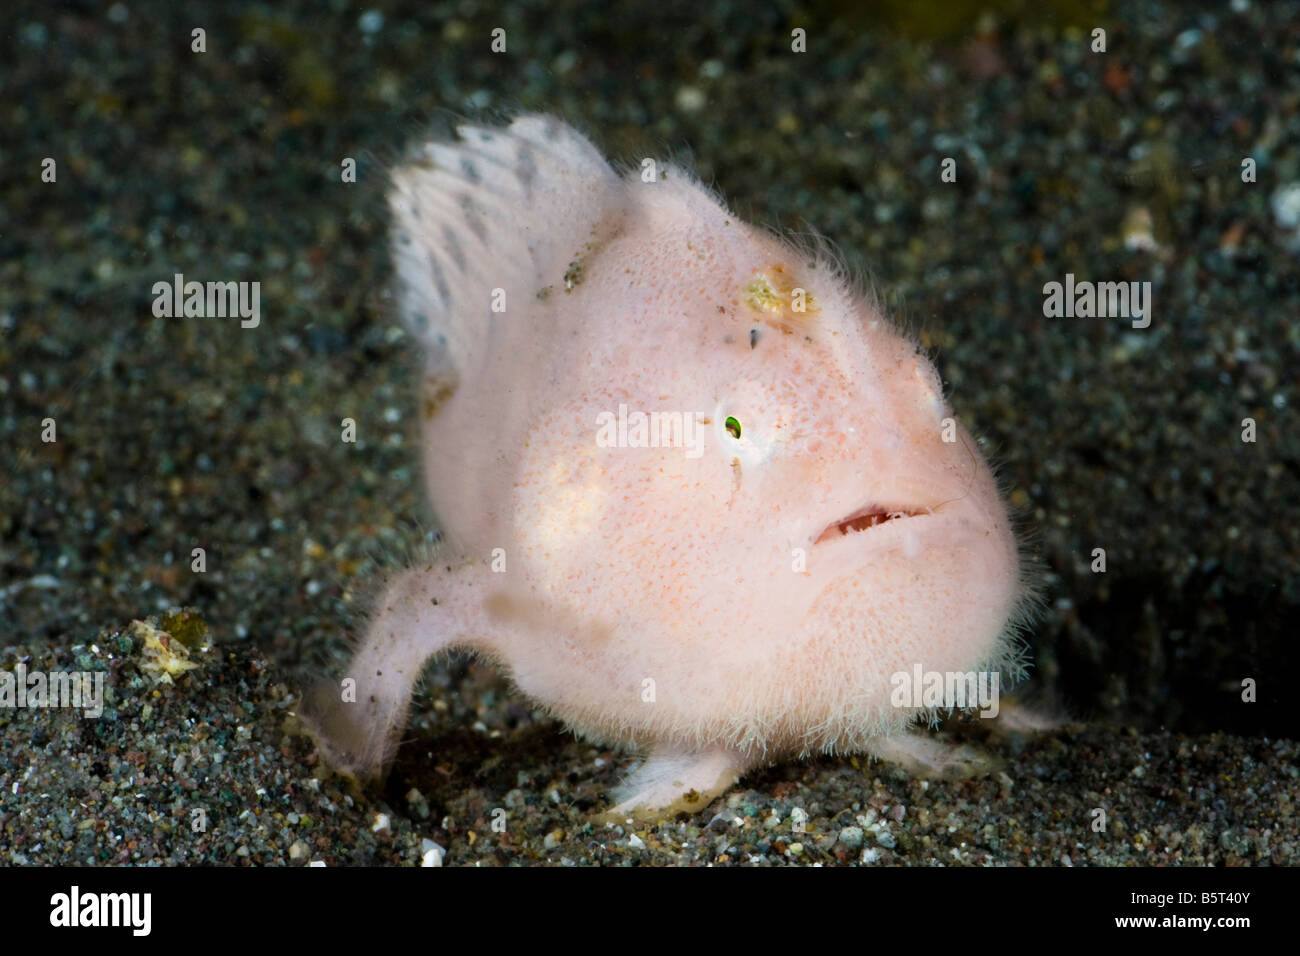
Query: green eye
[[733, 426]]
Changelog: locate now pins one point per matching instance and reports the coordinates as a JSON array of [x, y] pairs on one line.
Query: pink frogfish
[[699, 496]]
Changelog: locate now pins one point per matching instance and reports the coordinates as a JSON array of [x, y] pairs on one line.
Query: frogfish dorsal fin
[[498, 209]]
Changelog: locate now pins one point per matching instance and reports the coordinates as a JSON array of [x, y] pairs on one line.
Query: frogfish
[[699, 497]]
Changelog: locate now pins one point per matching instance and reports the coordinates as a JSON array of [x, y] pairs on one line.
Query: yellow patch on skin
[[773, 294], [762, 297], [435, 394], [501, 608]]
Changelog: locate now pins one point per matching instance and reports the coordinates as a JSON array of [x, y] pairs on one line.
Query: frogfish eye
[[733, 427]]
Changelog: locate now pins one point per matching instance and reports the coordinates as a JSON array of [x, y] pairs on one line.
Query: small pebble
[[431, 854]]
